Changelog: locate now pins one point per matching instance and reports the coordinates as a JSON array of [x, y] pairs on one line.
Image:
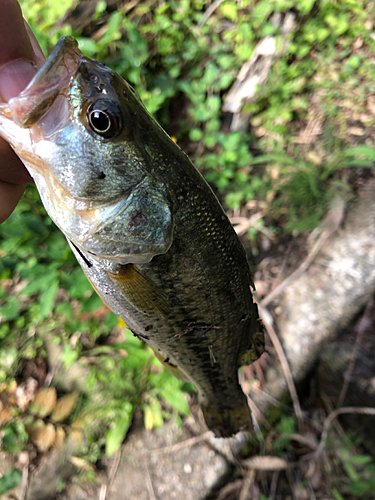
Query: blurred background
[[274, 102]]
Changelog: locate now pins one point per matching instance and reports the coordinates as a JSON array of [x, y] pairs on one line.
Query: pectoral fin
[[173, 369], [254, 351], [253, 347], [140, 291]]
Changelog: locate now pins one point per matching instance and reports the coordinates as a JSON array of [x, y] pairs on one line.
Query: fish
[[144, 225]]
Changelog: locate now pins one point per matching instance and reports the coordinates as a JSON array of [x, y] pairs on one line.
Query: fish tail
[[227, 421]]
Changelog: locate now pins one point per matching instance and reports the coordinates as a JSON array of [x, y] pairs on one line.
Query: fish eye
[[104, 118]]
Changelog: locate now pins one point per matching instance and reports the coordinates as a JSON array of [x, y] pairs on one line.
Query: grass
[[310, 126]]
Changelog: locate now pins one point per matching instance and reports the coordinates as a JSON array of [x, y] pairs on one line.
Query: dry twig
[[329, 225], [327, 423], [230, 490], [103, 491], [247, 485], [284, 365], [330, 408], [182, 444], [111, 476], [25, 481], [299, 271], [211, 9], [266, 463], [150, 488], [275, 477], [255, 414]]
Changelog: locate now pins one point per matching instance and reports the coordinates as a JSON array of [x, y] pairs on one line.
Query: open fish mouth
[[49, 82], [42, 108]]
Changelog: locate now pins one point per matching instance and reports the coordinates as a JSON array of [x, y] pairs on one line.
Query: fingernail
[[14, 77]]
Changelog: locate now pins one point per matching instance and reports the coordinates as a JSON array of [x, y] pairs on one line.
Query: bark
[[321, 302]]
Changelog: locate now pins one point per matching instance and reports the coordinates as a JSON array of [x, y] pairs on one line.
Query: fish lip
[[20, 116], [56, 74]]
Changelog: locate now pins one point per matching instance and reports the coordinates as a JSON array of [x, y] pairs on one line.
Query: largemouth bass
[[145, 227]]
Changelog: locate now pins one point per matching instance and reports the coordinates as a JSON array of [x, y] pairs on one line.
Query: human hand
[[20, 57]]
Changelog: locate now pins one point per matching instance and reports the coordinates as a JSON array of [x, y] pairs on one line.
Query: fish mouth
[[50, 81], [42, 108]]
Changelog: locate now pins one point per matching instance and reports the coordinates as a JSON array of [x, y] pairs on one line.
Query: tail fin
[[225, 422]]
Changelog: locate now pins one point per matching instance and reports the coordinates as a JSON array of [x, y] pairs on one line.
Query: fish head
[[78, 128]]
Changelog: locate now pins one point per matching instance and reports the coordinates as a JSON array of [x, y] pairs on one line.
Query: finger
[[14, 40], [9, 196], [11, 167], [17, 67], [39, 56]]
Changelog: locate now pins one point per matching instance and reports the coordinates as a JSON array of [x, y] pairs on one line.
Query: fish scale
[[144, 225]]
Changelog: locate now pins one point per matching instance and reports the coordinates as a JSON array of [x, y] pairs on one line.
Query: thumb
[[14, 77]]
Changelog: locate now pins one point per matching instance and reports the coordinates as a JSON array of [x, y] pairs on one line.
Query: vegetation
[[182, 59]]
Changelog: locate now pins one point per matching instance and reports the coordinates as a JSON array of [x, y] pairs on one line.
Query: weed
[[179, 57]]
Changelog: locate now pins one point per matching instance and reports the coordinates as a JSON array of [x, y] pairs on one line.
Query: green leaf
[[359, 459], [14, 438], [337, 495], [10, 310], [40, 282], [87, 46], [352, 473], [279, 158], [69, 355], [305, 6], [196, 134], [10, 480], [116, 434], [365, 151], [176, 399], [47, 300]]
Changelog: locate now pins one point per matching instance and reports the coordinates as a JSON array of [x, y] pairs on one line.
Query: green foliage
[[43, 17], [117, 433], [10, 480], [15, 437], [177, 56], [180, 58], [132, 378], [31, 244], [286, 427], [360, 470]]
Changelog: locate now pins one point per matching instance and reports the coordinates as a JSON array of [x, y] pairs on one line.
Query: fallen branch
[[284, 364], [267, 463]]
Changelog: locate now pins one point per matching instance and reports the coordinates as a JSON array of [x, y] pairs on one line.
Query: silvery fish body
[[144, 225]]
